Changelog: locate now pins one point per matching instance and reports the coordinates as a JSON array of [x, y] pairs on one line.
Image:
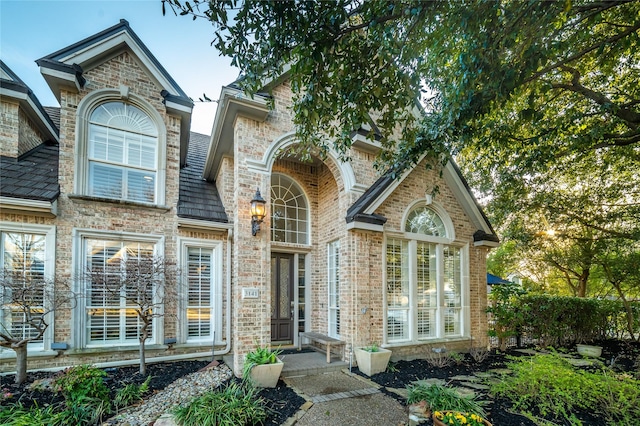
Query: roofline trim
[[38, 207], [232, 103], [36, 110], [184, 222]]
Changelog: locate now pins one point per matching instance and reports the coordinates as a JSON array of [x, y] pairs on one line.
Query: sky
[[31, 29]]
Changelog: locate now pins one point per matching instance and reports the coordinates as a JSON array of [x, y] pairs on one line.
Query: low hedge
[[560, 320]]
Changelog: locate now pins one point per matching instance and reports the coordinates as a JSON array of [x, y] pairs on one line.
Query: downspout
[[227, 331]]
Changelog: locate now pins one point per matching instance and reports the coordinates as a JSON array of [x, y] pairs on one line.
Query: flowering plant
[[456, 418]]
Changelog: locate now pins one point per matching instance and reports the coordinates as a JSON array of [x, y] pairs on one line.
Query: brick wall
[[29, 137], [9, 125]]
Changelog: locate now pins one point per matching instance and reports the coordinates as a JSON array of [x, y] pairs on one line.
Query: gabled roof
[[361, 213], [11, 86], [232, 102], [65, 68], [198, 198]]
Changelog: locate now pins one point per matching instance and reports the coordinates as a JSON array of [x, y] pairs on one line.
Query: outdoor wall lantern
[[257, 212]]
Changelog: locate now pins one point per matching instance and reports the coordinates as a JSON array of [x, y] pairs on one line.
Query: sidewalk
[[341, 398]]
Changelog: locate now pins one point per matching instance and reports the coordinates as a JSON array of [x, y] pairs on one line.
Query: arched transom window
[[423, 220], [122, 154], [289, 211]]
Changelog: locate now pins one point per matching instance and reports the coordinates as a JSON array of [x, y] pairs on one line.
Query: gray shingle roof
[[198, 198], [54, 115], [33, 176]]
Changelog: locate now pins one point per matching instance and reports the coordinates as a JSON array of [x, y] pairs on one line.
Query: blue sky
[[30, 30]]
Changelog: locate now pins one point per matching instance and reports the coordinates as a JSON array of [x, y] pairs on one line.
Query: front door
[[282, 302]]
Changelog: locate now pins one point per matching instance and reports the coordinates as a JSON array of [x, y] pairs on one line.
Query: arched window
[[424, 220], [122, 153], [289, 211], [426, 288]]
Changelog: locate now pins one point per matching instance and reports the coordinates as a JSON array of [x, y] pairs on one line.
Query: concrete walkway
[[341, 398]]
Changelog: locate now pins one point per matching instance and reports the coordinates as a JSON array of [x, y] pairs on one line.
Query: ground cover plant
[[550, 387], [235, 404]]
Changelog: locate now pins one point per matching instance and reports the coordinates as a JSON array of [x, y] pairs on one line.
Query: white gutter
[[33, 206]]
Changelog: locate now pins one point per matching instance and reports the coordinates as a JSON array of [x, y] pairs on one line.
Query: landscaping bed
[[282, 402]]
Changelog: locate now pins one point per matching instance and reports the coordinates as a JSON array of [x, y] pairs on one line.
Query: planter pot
[[438, 422], [266, 375], [371, 363], [589, 350]]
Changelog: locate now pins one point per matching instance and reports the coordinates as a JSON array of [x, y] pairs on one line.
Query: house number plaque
[[250, 293]]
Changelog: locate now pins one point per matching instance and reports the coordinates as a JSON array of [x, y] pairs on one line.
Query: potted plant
[[262, 367], [589, 350], [372, 359]]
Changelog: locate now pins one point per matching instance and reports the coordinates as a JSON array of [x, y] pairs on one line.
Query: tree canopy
[[565, 72], [538, 101]]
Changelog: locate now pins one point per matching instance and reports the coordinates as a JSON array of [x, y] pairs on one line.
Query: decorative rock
[[179, 392], [462, 378], [429, 382]]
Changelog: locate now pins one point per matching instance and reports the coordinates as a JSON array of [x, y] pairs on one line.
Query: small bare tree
[[144, 283], [27, 302]]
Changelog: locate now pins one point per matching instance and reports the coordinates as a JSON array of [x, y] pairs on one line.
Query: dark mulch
[[622, 356], [283, 402]]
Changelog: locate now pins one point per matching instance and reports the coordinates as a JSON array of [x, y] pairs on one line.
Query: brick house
[[342, 251]]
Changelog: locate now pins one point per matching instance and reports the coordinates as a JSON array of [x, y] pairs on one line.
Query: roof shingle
[[198, 198]]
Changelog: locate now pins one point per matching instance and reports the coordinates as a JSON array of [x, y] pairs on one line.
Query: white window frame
[[79, 333], [307, 215], [333, 289], [49, 232], [85, 108], [440, 242], [216, 291]]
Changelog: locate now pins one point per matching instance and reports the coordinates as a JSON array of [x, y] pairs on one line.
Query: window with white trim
[[333, 274], [109, 310], [202, 299], [424, 285], [289, 211], [26, 253], [122, 153]]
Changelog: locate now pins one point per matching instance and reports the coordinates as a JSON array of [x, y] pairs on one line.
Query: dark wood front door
[[282, 303]]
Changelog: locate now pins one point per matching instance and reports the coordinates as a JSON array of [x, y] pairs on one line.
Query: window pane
[[397, 273], [22, 300], [141, 186], [452, 291], [199, 293], [397, 324], [123, 147], [111, 292], [333, 274], [425, 221], [105, 181], [288, 211], [426, 289]]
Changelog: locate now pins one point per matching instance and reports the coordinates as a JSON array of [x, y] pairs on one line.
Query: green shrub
[[82, 382], [442, 398], [131, 393], [558, 320], [234, 405], [549, 384]]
